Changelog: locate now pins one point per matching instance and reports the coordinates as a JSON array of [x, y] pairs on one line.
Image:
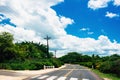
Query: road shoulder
[[22, 74]]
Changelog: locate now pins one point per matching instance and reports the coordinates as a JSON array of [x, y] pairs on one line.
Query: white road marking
[[51, 78], [68, 73], [42, 77], [85, 79], [73, 78], [61, 78], [35, 76]]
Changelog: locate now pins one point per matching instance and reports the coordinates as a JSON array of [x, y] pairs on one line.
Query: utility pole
[[55, 53], [47, 38]]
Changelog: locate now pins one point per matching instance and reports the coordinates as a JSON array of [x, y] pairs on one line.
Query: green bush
[[18, 66], [87, 64], [110, 67], [116, 67], [5, 66], [38, 65], [57, 63], [30, 64], [106, 67]]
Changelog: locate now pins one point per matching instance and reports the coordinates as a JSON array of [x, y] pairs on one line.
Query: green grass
[[103, 75]]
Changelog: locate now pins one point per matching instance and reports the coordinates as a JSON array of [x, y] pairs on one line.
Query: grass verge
[[103, 75]]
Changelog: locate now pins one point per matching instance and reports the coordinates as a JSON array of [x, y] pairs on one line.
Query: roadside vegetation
[[107, 64], [106, 76], [24, 55]]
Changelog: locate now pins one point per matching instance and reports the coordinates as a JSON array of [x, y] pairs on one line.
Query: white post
[[44, 67]]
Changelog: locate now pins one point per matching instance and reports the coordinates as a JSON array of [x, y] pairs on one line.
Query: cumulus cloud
[[20, 34], [101, 46], [41, 18], [96, 4], [111, 15]]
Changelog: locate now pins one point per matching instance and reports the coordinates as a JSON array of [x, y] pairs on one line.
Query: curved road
[[70, 72]]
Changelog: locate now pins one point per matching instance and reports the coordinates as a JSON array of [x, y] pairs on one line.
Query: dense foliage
[[74, 57], [111, 65], [7, 48], [24, 55]]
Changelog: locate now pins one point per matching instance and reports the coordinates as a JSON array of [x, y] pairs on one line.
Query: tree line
[[24, 55]]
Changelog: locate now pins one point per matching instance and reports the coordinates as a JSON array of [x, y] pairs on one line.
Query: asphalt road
[[70, 72]]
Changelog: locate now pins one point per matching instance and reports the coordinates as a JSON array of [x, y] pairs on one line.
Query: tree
[[7, 50], [116, 67], [72, 57], [114, 57], [6, 39], [32, 50], [86, 58]]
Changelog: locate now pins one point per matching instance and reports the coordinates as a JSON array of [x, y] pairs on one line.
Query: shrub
[[116, 67], [106, 67], [17, 66], [30, 64], [5, 66], [57, 63], [87, 64], [110, 67]]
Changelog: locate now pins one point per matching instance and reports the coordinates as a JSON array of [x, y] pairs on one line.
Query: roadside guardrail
[[48, 67]]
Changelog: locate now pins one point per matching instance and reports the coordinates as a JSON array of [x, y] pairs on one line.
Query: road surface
[[70, 72]]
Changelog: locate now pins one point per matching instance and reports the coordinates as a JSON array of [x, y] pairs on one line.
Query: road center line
[[68, 73]]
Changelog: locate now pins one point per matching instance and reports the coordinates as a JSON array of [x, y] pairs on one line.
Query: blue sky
[[95, 20], [84, 26], [6, 21]]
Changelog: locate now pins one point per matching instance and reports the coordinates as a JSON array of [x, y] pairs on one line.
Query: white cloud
[[87, 30], [96, 4], [111, 15], [65, 21], [117, 2], [40, 18], [84, 29], [35, 19], [90, 33], [102, 45], [20, 34]]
